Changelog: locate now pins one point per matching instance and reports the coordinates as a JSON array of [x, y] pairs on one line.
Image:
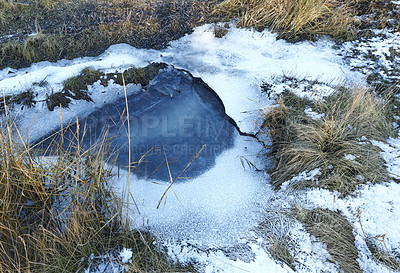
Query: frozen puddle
[[174, 121]]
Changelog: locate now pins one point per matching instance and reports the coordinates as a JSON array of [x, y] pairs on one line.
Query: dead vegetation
[[57, 212], [293, 20], [275, 231], [382, 255], [338, 144], [24, 99], [376, 14], [51, 30], [336, 232]]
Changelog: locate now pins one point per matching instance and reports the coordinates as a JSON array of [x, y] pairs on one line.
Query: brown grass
[[293, 19], [352, 117], [382, 255], [275, 231], [56, 212], [334, 231]]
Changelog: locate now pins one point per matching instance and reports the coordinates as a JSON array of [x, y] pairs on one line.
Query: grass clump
[[382, 254], [81, 82], [57, 212], [51, 47], [334, 231], [292, 19], [35, 48], [275, 230], [25, 99], [140, 76], [75, 88], [337, 143]]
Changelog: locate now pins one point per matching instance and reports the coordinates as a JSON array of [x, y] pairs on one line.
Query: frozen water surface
[[175, 120]]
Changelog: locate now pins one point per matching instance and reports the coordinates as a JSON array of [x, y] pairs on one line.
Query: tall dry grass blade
[[180, 174], [129, 147]]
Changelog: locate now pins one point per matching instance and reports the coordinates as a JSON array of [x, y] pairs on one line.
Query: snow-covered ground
[[212, 219]]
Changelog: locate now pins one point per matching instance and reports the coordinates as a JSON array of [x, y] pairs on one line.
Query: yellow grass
[[293, 19], [56, 212], [351, 118]]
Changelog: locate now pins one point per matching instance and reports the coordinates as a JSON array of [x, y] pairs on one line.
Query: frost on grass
[[301, 143], [374, 212]]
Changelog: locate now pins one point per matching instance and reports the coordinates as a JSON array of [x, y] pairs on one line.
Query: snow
[[218, 262], [306, 175], [374, 211], [312, 114], [373, 55], [204, 218], [212, 210], [237, 64], [391, 154], [126, 255]]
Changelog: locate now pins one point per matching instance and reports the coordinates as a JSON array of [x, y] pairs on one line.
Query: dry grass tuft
[[336, 232], [381, 253], [293, 19], [279, 250], [56, 212], [275, 230], [337, 144]]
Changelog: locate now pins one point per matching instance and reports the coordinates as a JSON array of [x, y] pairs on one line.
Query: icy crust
[[214, 210], [237, 64], [174, 118], [234, 66]]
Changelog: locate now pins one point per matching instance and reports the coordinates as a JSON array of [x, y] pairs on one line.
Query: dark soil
[[87, 28]]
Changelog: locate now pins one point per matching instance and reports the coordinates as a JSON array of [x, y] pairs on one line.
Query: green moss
[[138, 75], [57, 99], [81, 82]]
